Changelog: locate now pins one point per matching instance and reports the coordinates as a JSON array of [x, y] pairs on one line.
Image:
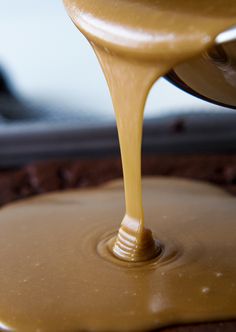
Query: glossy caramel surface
[[58, 275]]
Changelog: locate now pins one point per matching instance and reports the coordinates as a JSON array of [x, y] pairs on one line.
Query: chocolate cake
[[42, 177]]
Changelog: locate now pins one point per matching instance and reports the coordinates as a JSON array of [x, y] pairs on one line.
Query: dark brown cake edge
[[42, 177]]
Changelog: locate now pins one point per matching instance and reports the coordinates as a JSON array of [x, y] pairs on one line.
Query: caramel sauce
[[136, 43], [58, 274], [63, 266]]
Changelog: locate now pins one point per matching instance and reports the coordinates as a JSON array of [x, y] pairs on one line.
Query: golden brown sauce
[[136, 43], [134, 242], [57, 269], [57, 274]]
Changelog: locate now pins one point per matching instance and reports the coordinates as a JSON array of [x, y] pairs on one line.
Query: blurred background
[[54, 101]]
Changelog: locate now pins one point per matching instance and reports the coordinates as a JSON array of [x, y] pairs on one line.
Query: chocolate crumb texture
[[42, 177]]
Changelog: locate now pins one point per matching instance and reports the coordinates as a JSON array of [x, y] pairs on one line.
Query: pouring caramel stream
[[134, 242], [137, 42]]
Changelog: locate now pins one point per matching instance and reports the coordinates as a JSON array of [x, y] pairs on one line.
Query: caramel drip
[[134, 242], [136, 43]]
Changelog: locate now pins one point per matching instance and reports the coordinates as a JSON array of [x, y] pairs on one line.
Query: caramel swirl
[[134, 244]]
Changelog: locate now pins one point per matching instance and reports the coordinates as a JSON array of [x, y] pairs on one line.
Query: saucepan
[[212, 76]]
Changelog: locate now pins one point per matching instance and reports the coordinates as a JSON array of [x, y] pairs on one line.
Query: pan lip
[[174, 79]]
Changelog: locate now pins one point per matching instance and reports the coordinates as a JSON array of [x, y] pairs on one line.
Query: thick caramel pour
[[125, 78], [136, 43]]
